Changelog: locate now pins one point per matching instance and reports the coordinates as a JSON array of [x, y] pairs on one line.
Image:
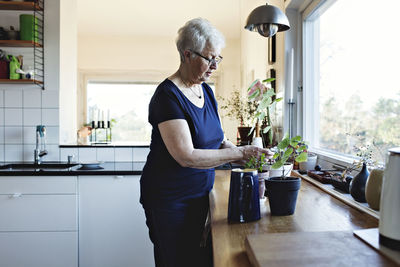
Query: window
[[127, 104], [351, 87]]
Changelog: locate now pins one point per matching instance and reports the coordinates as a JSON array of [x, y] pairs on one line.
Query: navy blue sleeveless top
[[163, 180]]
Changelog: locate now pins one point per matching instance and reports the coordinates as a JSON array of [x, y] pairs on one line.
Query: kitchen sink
[[42, 166]]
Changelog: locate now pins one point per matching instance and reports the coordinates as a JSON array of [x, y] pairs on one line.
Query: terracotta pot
[[373, 188]]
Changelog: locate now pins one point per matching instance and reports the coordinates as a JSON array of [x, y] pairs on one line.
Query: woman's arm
[[177, 139]]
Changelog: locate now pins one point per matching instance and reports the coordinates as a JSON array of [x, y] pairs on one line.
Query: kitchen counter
[[315, 211], [108, 168]]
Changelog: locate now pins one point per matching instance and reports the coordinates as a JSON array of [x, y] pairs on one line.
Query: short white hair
[[196, 34]]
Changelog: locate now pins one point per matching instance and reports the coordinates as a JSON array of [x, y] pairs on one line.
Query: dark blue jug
[[244, 202]]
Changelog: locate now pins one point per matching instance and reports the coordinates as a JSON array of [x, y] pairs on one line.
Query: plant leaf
[[284, 143], [268, 80], [288, 152], [266, 129], [302, 157], [277, 164]]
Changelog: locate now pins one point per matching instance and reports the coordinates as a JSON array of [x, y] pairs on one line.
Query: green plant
[[289, 148], [255, 163], [262, 95], [239, 108]]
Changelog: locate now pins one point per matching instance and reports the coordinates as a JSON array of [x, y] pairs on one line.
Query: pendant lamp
[[267, 20]]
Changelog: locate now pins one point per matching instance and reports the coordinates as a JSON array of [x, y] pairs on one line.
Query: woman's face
[[200, 68]]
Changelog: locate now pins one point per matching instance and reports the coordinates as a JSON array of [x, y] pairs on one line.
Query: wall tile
[[53, 153], [87, 154], [140, 153], [1, 135], [13, 135], [50, 99], [13, 117], [105, 154], [13, 98], [1, 152], [1, 116], [65, 152], [50, 117], [32, 98], [29, 154], [138, 166], [14, 152], [1, 98], [52, 134], [29, 135], [123, 154], [32, 116]]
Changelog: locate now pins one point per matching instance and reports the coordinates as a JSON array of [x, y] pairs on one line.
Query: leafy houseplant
[[263, 97], [240, 108], [282, 190], [258, 164], [289, 148]]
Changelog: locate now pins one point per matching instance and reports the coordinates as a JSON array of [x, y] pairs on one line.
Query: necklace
[[199, 96], [191, 89]]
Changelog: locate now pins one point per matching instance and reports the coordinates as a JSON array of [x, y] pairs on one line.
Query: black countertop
[[107, 168]]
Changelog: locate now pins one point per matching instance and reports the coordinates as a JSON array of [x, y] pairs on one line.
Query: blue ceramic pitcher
[[244, 203]]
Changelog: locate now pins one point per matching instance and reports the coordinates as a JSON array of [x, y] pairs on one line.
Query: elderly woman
[[187, 142]]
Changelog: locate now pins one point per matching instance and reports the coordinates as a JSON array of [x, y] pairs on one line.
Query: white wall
[[68, 70]]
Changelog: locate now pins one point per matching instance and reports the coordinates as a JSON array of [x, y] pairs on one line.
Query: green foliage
[[238, 107], [262, 96], [257, 164], [288, 148], [377, 126]]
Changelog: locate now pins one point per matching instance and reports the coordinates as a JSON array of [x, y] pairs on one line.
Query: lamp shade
[[267, 20]]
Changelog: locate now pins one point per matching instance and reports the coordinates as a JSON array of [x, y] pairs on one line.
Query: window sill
[[344, 197]]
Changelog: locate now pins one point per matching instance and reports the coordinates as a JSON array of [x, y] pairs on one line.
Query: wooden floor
[[315, 211]]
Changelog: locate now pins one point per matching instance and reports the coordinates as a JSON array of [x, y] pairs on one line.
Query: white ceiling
[[155, 18]]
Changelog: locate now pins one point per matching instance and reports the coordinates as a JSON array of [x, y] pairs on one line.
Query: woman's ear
[[186, 54]]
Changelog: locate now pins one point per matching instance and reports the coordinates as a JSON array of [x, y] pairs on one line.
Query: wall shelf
[[13, 5], [37, 8], [20, 81], [19, 43]]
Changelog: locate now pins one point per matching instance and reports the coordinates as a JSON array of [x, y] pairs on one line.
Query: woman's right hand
[[254, 151]]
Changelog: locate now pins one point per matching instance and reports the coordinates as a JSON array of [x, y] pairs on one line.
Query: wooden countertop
[[315, 211]]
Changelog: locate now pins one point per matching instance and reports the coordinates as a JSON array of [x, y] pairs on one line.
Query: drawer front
[[39, 249], [38, 184], [38, 212]]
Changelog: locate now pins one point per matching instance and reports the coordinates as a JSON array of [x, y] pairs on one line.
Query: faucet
[[40, 149]]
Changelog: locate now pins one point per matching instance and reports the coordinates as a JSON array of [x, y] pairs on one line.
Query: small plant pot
[[282, 194], [309, 164], [262, 176], [278, 172]]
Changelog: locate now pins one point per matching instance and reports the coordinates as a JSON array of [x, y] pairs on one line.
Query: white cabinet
[[112, 229], [38, 226]]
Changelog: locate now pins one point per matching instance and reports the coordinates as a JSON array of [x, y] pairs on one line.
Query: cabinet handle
[[15, 195], [119, 177]]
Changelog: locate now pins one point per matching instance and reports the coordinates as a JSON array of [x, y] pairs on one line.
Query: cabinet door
[[38, 249], [38, 212], [112, 229]]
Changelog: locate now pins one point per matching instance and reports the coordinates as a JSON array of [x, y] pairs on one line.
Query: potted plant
[[282, 190], [263, 96], [258, 164], [240, 108], [311, 161]]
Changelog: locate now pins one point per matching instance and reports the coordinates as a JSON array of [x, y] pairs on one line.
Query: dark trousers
[[176, 232]]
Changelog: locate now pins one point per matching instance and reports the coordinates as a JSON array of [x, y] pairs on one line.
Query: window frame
[[310, 50]]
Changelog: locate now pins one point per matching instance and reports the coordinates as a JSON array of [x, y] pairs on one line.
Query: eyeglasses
[[211, 61]]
